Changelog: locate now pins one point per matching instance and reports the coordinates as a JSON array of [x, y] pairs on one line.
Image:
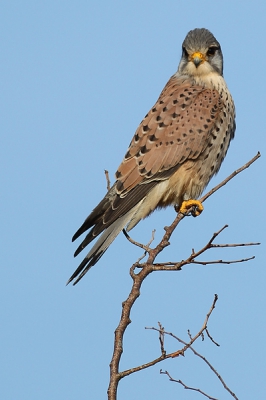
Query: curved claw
[[195, 206]]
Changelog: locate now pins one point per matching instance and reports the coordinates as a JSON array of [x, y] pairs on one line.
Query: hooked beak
[[197, 58]]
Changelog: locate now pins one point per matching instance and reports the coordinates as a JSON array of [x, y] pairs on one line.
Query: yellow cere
[[198, 55]]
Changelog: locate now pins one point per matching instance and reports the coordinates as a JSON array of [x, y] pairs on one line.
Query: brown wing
[[176, 129]]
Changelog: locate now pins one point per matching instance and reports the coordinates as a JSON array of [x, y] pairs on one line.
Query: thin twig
[[224, 182], [193, 339], [142, 246], [215, 372], [187, 387], [222, 261], [211, 338], [235, 244], [177, 266]]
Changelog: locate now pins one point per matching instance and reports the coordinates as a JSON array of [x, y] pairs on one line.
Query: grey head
[[201, 54]]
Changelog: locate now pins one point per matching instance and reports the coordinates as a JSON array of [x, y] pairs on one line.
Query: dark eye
[[212, 50], [185, 53]]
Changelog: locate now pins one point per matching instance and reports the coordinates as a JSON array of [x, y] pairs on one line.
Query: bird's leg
[[195, 206]]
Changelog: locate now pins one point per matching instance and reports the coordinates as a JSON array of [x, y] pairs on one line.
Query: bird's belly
[[191, 178]]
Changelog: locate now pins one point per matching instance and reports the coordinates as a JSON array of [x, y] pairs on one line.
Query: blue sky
[[76, 80]]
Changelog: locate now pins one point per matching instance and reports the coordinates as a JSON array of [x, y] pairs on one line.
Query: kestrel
[[177, 148]]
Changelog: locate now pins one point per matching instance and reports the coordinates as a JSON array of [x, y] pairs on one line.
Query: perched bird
[[177, 148]]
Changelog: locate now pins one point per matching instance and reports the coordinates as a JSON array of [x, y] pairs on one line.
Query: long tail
[[99, 248], [108, 219]]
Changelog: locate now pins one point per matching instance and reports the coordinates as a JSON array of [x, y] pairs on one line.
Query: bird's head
[[201, 54]]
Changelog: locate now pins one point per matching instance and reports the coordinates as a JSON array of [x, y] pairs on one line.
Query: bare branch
[[235, 245], [178, 266], [149, 267], [187, 387], [142, 246], [202, 357], [223, 262], [216, 373], [209, 336], [193, 339], [199, 355], [145, 247], [224, 182], [164, 356]]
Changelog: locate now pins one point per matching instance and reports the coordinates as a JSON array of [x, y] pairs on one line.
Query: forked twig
[[189, 346], [187, 387], [192, 339]]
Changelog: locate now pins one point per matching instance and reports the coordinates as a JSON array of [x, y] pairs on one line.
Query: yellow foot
[[194, 206]]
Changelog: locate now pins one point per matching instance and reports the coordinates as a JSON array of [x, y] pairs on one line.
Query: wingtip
[[79, 232], [79, 249], [84, 227], [70, 280], [77, 280], [75, 236]]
